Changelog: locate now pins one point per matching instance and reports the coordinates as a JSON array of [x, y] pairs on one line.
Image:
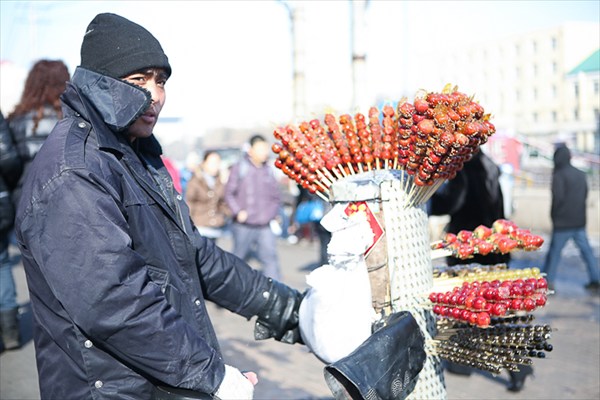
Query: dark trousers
[[259, 241]]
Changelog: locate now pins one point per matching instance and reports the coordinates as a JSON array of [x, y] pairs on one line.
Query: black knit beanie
[[114, 46]]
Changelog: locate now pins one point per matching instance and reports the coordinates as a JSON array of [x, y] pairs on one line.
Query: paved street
[[571, 371]]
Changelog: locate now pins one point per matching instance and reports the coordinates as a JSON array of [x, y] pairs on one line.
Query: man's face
[[153, 80], [259, 152]]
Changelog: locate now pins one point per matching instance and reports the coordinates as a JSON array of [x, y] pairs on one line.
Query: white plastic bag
[[336, 313]]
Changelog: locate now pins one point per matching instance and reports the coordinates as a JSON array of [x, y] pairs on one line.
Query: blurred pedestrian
[[205, 195], [30, 123], [471, 199], [10, 170], [318, 208], [568, 213], [38, 110], [118, 275], [173, 173], [253, 195]]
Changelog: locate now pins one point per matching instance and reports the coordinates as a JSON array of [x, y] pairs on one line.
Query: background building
[[542, 88]]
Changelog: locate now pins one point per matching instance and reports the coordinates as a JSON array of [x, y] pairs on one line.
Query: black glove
[[279, 317]]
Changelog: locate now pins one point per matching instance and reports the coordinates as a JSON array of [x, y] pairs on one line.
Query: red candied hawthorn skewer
[[298, 163], [364, 139], [339, 141], [324, 163], [376, 135], [352, 142], [390, 132]]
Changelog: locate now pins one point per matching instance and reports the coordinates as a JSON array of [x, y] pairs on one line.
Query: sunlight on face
[[153, 80]]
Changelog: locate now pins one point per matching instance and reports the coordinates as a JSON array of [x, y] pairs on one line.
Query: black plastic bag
[[384, 367]]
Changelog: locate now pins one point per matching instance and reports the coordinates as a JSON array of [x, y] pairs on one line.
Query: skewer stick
[[351, 168], [324, 178], [328, 174], [360, 168], [336, 173], [325, 189], [322, 196], [409, 203]]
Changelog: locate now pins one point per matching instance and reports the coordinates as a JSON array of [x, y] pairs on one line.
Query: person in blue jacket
[[118, 275]]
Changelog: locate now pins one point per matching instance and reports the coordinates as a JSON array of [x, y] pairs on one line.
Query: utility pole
[[298, 29], [360, 100]]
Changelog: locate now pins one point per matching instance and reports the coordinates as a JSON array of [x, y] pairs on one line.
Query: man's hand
[[242, 216], [279, 317]]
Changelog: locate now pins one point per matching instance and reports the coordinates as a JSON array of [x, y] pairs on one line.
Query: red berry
[[528, 289], [469, 301], [465, 314], [482, 232], [485, 248], [421, 105], [540, 299], [533, 282], [479, 303], [490, 294], [433, 297], [516, 304], [483, 319], [542, 283], [456, 313], [499, 309], [464, 235], [516, 291], [473, 318], [529, 304]]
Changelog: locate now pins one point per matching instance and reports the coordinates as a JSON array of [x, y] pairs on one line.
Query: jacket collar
[[108, 102]]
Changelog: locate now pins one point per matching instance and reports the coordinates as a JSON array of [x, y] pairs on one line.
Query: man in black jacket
[[117, 273], [568, 213]]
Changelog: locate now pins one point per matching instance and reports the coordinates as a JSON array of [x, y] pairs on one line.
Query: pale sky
[[231, 60]]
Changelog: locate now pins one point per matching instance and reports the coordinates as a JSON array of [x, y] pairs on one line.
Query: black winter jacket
[[118, 276], [471, 199], [28, 141], [10, 170], [569, 192]]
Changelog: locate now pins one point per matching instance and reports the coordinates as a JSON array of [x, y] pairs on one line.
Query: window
[[553, 43], [553, 91], [553, 116], [535, 70], [534, 46], [535, 117], [535, 93], [576, 88], [554, 67], [596, 87], [576, 114]]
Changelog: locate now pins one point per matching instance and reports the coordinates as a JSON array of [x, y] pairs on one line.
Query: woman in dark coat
[[471, 199]]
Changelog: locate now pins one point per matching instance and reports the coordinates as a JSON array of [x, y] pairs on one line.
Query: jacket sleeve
[[229, 281], [10, 162], [559, 194], [89, 264]]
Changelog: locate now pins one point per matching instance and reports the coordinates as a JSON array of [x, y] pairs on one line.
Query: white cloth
[[235, 386], [336, 314]]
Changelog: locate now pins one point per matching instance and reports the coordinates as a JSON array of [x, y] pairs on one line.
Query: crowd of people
[[115, 245]]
